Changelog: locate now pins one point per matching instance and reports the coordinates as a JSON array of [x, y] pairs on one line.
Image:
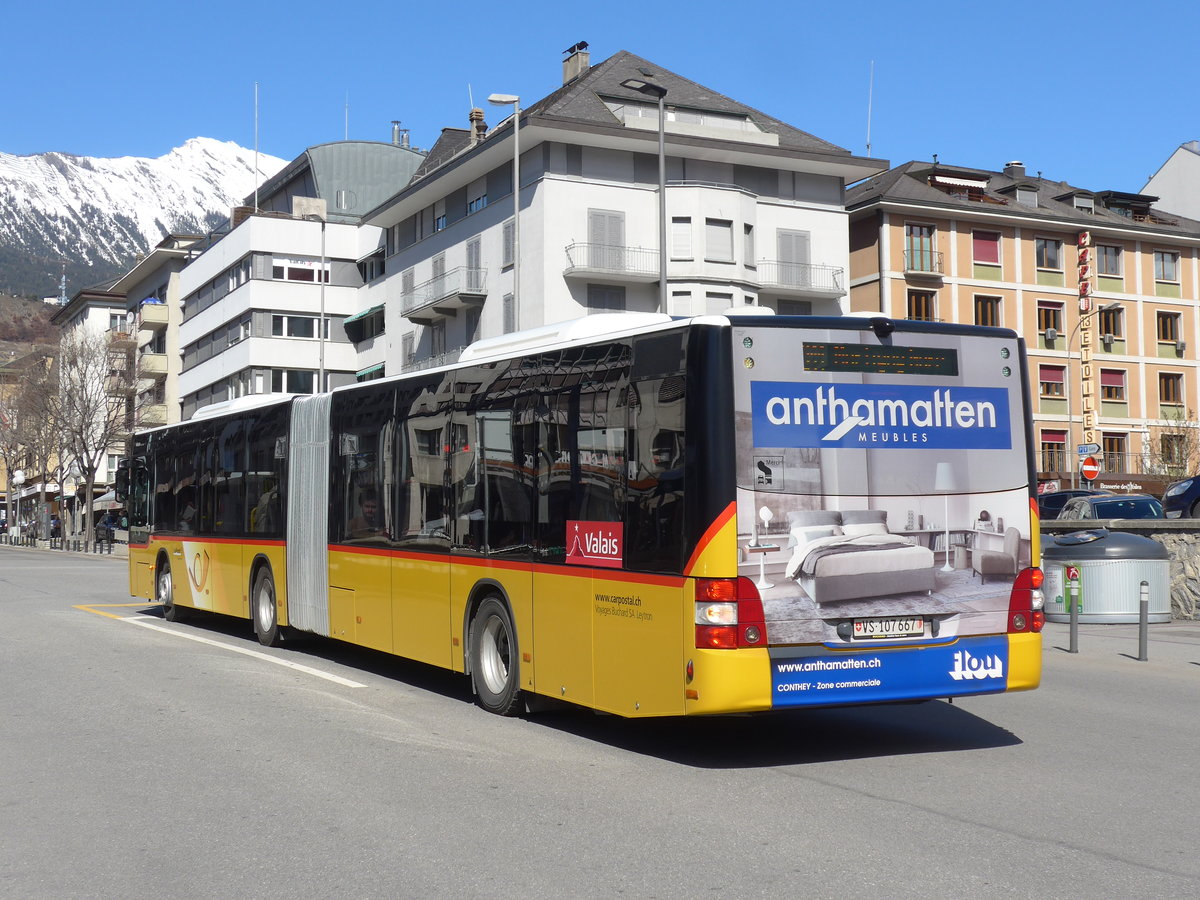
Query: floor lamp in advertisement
[[943, 481]]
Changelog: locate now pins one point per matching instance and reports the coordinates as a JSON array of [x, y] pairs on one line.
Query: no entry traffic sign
[[1089, 468]]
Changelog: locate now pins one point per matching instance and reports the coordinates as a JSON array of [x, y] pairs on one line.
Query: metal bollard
[[1144, 623], [1074, 594]]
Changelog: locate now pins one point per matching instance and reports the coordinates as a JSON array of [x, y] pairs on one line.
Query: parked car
[[1049, 505], [1182, 499], [1112, 506]]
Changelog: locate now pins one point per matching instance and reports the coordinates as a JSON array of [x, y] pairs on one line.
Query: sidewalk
[[120, 550]]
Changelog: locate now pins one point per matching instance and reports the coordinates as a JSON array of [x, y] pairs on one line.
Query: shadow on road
[[792, 737]]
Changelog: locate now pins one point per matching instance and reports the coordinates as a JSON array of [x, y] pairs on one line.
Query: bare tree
[[95, 384], [10, 445], [1173, 445], [37, 411]]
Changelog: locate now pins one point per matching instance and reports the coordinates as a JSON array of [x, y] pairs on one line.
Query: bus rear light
[[729, 614], [1025, 603]]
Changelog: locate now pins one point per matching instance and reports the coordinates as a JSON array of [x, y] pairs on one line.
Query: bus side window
[[654, 512]]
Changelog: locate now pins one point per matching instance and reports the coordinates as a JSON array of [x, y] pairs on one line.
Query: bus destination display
[[836, 357]]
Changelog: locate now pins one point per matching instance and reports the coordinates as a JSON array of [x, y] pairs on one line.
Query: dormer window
[[964, 187], [1085, 203], [1027, 195]]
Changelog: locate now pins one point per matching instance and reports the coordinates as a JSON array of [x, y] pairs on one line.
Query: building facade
[[154, 314], [1102, 285], [754, 215], [254, 294]]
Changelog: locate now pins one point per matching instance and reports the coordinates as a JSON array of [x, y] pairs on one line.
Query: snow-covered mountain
[[96, 215]]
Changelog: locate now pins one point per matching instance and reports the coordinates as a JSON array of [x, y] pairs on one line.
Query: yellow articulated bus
[[638, 514]]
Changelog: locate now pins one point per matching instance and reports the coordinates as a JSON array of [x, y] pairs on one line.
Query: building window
[[506, 252], [918, 248], [1170, 388], [299, 270], [510, 314], [1173, 448], [1053, 451], [717, 302], [1112, 385], [987, 311], [439, 222], [605, 298], [681, 237], [296, 326], [1108, 260], [1051, 380], [1050, 316], [1049, 253], [920, 305], [1166, 265], [476, 203], [1115, 450], [437, 338], [1110, 323], [793, 307], [292, 381], [718, 240], [1168, 326], [407, 349], [985, 247], [748, 245]]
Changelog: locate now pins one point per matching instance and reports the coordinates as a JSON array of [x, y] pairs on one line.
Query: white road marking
[[146, 622]]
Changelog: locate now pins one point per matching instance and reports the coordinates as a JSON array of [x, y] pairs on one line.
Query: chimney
[[395, 132], [478, 126], [576, 64], [1014, 169]]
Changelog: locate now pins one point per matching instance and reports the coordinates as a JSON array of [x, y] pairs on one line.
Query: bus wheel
[[495, 667], [165, 592], [266, 623]]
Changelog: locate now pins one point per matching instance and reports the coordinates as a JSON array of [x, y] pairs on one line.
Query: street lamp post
[[655, 90], [515, 101], [1107, 307]]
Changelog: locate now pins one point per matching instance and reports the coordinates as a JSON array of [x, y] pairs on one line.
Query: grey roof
[[451, 143], [360, 173], [581, 100], [909, 183]]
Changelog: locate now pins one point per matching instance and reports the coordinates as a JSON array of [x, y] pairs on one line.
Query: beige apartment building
[[1102, 285]]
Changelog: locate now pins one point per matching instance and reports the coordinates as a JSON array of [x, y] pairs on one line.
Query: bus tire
[[262, 609], [164, 591], [495, 663]]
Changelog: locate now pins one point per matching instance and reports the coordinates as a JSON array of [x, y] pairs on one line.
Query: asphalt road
[[140, 758]]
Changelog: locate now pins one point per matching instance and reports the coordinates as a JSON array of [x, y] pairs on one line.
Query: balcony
[[432, 362], [122, 340], [152, 365], [152, 316], [152, 415], [801, 279], [610, 261], [923, 264], [445, 295]]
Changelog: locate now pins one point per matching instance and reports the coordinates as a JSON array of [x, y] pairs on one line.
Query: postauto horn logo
[[879, 416]]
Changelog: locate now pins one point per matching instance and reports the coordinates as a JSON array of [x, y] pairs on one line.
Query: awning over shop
[[369, 370], [106, 501]]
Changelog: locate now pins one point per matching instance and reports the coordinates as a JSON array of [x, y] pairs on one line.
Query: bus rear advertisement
[[636, 514]]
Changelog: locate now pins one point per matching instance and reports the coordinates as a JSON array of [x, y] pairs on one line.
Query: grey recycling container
[[1109, 568]]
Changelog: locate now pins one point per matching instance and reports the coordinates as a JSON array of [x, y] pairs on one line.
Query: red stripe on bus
[[710, 534]]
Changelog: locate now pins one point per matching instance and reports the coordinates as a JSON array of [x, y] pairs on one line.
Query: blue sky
[[1098, 94]]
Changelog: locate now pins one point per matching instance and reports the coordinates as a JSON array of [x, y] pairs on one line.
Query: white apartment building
[[754, 215], [255, 292], [153, 314]]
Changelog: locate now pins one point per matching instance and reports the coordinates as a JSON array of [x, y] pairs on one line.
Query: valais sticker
[[595, 544]]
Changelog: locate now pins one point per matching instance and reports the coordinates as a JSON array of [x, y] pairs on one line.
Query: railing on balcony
[[800, 277], [636, 263], [442, 359], [152, 364], [923, 262], [459, 282], [1114, 464]]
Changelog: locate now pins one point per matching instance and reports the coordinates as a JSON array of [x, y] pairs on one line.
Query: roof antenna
[[935, 159], [470, 97], [870, 96]]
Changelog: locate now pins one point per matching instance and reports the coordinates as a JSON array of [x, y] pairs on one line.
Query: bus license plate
[[873, 629]]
